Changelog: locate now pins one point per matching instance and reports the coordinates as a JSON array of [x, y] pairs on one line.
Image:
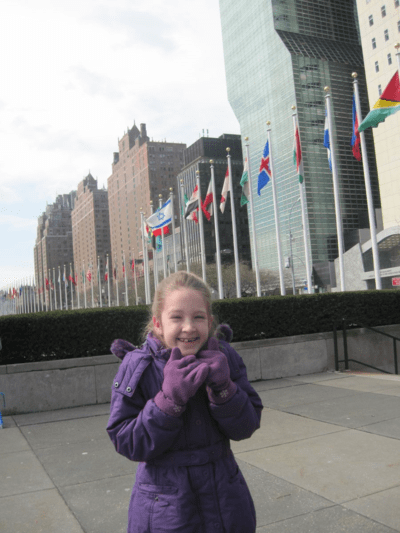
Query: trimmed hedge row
[[88, 332]]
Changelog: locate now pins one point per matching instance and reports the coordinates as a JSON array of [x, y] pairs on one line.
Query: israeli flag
[[327, 143], [161, 218]]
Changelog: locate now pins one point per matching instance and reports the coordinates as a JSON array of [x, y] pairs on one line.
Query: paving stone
[[37, 512], [354, 411], [278, 428], [383, 507], [340, 466], [276, 499], [316, 378], [101, 506], [388, 428], [11, 440], [271, 384], [364, 384], [81, 462], [66, 432], [62, 414], [333, 520], [22, 472]]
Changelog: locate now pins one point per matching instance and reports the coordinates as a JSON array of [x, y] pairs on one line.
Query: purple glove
[[220, 386], [182, 378]]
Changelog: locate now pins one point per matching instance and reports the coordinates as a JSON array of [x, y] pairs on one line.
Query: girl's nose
[[188, 325]]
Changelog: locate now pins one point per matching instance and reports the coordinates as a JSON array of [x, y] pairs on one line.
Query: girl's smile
[[184, 322]]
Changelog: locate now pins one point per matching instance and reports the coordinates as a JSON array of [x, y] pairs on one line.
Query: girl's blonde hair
[[179, 280]]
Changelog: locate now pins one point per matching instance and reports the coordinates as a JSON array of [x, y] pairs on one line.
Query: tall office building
[[280, 53], [380, 30], [53, 247], [91, 231], [197, 158], [142, 170]]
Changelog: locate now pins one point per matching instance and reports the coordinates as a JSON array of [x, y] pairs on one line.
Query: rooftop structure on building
[[142, 170], [280, 53]]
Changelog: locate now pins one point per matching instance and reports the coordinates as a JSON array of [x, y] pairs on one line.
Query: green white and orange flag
[[297, 157], [388, 104], [244, 182]]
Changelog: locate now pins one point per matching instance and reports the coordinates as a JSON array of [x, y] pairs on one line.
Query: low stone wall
[[33, 387]]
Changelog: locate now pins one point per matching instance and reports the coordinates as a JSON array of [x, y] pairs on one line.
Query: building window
[[386, 34], [389, 56], [373, 43], [371, 20], [379, 89], [376, 66], [383, 11]]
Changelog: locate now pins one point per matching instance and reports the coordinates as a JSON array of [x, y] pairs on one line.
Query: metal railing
[[346, 359]]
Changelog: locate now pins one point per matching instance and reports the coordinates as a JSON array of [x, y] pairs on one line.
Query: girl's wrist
[[167, 405], [221, 395]]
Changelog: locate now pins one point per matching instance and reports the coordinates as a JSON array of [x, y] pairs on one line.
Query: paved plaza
[[325, 460]]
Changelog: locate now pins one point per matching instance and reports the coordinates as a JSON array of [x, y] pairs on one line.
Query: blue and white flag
[[327, 143], [160, 218]]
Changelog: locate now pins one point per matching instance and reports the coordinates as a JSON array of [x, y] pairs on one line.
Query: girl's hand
[[219, 375], [183, 376]]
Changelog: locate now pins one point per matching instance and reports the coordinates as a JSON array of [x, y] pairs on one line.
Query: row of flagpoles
[[195, 209]]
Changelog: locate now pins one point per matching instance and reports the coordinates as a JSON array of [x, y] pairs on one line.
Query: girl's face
[[184, 322]]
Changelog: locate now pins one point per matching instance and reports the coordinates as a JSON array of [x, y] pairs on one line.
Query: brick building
[[141, 170], [91, 232], [53, 247]]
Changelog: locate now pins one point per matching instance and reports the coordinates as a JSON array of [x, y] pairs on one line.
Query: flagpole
[[216, 230], [59, 285], [145, 259], [155, 262], [304, 219], [276, 212], [370, 202], [336, 194], [84, 284], [133, 270], [253, 224], [201, 223], [171, 195], [77, 289], [72, 286], [185, 231], [65, 289], [397, 46], [44, 290], [116, 281], [91, 281], [55, 289], [49, 291], [99, 281], [235, 245], [126, 281], [160, 204], [108, 282]]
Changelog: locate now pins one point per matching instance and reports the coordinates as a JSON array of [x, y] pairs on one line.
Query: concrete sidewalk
[[326, 459]]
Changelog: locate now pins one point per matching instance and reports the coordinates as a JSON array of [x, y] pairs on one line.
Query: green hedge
[[83, 333]]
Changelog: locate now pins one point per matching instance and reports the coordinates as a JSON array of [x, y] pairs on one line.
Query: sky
[[75, 75]]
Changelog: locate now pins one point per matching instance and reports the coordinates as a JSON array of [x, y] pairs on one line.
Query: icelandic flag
[[355, 139], [161, 217], [327, 143], [265, 169]]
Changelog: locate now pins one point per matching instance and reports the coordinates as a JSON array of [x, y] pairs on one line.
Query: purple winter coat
[[188, 480]]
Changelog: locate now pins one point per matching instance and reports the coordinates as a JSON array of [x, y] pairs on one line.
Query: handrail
[[346, 359]]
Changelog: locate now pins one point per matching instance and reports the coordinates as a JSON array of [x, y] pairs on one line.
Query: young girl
[[176, 403]]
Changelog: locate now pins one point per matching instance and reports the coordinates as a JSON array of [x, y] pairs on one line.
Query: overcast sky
[[75, 75]]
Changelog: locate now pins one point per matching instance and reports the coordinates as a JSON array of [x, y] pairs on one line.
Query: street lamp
[[291, 249]]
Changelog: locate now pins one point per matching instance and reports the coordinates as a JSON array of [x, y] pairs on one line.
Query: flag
[[265, 169], [89, 275], [115, 273], [225, 190], [71, 279], [207, 205], [297, 157], [327, 143], [133, 265], [162, 217], [83, 276], [355, 139], [244, 182], [157, 232], [185, 199], [158, 244], [387, 104], [47, 284], [192, 204]]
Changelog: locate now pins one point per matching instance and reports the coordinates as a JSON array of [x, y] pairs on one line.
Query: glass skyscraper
[[280, 53]]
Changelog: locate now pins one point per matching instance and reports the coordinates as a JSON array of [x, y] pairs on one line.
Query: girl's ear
[[157, 326]]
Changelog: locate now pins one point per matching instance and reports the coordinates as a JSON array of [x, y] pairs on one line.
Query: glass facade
[[280, 53]]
